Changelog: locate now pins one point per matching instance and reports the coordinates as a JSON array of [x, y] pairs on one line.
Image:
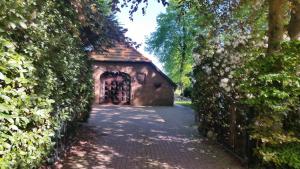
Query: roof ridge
[[119, 52]]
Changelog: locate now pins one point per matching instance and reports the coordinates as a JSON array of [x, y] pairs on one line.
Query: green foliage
[[272, 87], [45, 78], [26, 129], [172, 43], [184, 103], [234, 77], [187, 92], [283, 156]]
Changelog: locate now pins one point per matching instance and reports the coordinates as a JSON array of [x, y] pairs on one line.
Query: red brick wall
[[147, 93]]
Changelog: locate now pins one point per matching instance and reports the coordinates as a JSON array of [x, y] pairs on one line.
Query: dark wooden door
[[116, 89]]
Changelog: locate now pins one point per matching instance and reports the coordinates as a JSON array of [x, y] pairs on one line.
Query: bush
[[260, 99], [26, 128], [45, 79], [272, 86], [187, 92]]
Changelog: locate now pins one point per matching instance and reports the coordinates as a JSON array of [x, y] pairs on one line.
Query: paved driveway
[[119, 137]]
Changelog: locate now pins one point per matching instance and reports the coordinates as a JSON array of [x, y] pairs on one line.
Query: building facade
[[124, 76]]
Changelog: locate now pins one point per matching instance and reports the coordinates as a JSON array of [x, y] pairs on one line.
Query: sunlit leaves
[[43, 67], [234, 69], [172, 43]]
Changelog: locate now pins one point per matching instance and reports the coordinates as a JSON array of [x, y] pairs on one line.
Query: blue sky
[[142, 26]]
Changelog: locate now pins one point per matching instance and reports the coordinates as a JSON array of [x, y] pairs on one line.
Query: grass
[[184, 103]]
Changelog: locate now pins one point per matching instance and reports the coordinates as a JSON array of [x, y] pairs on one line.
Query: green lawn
[[184, 103]]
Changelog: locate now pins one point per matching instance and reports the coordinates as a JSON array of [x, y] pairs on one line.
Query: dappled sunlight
[[158, 164], [122, 122], [141, 141], [144, 137], [138, 117], [86, 153], [160, 120], [175, 139], [158, 131]]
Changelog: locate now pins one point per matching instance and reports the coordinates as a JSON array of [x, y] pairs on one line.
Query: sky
[[142, 26]]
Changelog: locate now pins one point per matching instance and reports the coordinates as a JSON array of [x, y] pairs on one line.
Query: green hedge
[[45, 78], [256, 103], [273, 84], [26, 128]]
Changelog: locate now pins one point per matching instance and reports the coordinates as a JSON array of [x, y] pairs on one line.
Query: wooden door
[[116, 88]]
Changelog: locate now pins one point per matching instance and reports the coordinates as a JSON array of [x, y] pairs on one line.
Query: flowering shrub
[[239, 90], [215, 92]]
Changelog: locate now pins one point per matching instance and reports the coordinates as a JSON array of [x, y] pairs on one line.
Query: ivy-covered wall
[[45, 78]]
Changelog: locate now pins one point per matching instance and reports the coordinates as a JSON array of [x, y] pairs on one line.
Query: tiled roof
[[120, 52], [124, 53]]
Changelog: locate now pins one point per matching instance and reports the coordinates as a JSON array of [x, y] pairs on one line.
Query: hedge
[[45, 78]]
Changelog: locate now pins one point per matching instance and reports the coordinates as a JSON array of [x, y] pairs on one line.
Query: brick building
[[122, 75]]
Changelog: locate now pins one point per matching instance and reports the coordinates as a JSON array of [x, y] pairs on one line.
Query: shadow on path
[[123, 137]]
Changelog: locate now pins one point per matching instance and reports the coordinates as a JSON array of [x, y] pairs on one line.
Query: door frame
[[114, 74]]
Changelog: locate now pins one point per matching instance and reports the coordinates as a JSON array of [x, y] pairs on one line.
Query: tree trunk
[[232, 125], [183, 46], [294, 24], [276, 24], [182, 63]]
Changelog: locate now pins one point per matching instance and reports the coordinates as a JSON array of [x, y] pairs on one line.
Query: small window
[[157, 85], [141, 77]]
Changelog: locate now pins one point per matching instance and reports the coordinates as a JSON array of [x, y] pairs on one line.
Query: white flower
[[216, 64], [224, 84], [227, 69], [235, 44], [197, 60], [222, 73], [250, 96], [224, 80], [227, 88], [208, 70], [196, 55], [219, 51]]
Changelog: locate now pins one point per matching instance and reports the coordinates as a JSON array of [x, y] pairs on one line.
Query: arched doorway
[[115, 88]]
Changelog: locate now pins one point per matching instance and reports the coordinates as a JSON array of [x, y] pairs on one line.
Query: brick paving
[[123, 137]]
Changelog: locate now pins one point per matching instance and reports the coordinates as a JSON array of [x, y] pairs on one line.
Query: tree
[[134, 5], [172, 43]]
